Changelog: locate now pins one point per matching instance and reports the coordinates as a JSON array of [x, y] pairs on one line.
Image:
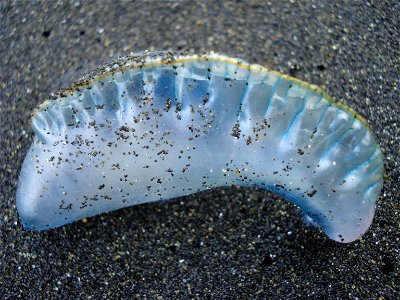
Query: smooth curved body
[[162, 126]]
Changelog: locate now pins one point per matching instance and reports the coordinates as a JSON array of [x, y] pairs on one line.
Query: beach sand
[[226, 243]]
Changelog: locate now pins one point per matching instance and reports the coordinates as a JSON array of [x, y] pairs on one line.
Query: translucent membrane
[[175, 125]]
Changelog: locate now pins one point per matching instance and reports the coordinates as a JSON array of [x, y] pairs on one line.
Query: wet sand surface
[[224, 243]]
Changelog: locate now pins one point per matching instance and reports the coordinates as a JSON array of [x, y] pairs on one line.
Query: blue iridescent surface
[[159, 130]]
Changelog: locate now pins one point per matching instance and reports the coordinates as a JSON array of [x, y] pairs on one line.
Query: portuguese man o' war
[[158, 125]]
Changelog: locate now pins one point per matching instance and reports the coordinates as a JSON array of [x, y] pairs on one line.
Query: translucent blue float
[[159, 125]]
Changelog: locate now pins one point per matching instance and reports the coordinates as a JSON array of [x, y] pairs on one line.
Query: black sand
[[225, 243]]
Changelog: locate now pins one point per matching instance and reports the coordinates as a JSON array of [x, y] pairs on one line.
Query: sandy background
[[222, 244]]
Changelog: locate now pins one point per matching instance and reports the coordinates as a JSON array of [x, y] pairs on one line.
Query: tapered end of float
[[348, 218]]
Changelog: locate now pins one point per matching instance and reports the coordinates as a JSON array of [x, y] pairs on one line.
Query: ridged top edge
[[157, 58]]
